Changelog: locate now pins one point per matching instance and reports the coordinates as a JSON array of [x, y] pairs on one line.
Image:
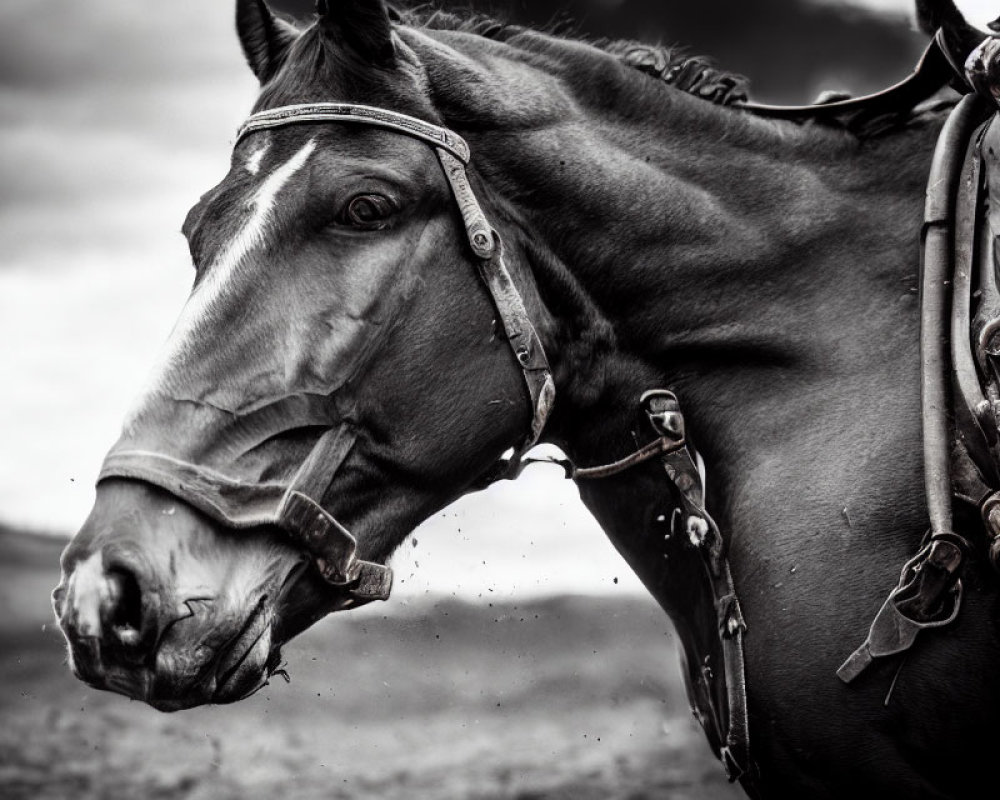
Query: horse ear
[[364, 25], [265, 38]]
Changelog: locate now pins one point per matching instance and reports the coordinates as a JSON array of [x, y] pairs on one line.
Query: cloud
[[63, 44], [94, 99]]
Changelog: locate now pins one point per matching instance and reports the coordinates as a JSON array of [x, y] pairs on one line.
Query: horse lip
[[232, 686], [209, 684], [228, 678], [225, 685]]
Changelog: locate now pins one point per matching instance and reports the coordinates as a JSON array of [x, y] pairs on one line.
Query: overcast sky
[[113, 120]]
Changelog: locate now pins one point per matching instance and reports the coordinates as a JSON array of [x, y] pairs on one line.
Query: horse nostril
[[122, 615]]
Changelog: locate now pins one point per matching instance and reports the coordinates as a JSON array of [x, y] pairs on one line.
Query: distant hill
[[28, 547], [790, 49]]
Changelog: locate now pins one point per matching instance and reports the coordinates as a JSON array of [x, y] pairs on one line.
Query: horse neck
[[764, 271]]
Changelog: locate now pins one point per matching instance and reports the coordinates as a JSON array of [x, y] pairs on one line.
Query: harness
[[929, 592]]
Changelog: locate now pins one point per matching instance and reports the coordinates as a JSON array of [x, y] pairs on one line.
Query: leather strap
[[929, 591], [240, 505], [683, 471], [935, 310], [353, 112], [681, 465]]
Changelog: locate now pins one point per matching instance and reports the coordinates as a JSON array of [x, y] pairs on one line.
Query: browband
[[367, 115]]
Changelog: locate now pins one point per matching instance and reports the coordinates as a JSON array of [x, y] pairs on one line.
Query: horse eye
[[368, 211]]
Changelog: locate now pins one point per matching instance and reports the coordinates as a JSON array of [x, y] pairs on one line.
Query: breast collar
[[296, 508]]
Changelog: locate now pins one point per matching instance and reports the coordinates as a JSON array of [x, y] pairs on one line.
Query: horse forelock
[[320, 68]]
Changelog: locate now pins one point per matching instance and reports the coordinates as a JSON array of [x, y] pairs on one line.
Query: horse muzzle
[[159, 604]]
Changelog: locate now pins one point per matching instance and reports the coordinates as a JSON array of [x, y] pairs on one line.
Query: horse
[[443, 239]]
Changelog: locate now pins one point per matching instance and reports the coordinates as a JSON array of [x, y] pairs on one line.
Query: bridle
[[296, 508]]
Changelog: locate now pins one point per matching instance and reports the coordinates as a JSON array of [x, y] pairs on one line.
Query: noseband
[[296, 508]]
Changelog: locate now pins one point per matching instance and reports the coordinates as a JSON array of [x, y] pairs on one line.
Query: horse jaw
[[165, 607]]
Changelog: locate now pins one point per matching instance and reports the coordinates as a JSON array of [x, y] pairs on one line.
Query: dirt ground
[[563, 699]]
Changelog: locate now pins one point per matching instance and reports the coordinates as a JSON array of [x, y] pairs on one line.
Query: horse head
[[337, 349]]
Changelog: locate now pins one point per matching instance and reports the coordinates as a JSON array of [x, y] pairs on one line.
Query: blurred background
[[114, 116]]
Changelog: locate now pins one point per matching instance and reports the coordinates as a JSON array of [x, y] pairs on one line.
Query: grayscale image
[[494, 400]]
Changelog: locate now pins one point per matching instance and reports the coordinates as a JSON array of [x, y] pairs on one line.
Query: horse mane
[[696, 75]]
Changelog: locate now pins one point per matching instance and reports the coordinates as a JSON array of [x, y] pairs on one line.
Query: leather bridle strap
[[684, 471], [453, 154], [366, 115], [242, 505]]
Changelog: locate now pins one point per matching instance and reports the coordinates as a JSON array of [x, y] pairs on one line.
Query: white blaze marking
[[211, 290], [249, 236], [253, 161], [90, 592]]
